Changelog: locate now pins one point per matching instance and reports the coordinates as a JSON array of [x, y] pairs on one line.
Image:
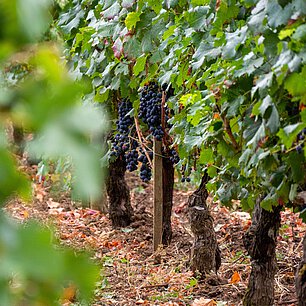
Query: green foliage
[[33, 271], [38, 94], [17, 26], [10, 175], [237, 68]]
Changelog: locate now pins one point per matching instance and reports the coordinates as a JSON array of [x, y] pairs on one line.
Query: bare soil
[[131, 274]]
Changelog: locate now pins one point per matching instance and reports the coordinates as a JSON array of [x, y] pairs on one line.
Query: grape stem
[[229, 132], [228, 129], [140, 137]]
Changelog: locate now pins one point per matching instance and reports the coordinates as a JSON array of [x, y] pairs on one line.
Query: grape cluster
[[150, 109], [185, 179], [184, 172], [145, 169], [173, 156], [125, 121], [121, 143], [300, 141], [124, 143], [132, 157], [125, 146]]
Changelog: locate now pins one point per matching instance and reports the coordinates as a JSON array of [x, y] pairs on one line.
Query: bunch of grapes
[[132, 157], [125, 121], [125, 145], [300, 141], [145, 169], [121, 143], [185, 179], [173, 156], [150, 109]]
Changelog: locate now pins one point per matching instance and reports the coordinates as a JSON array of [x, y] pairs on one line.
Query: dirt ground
[[132, 274]]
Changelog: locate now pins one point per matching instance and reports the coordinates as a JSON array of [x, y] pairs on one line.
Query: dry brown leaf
[[236, 278], [39, 192], [203, 302], [52, 204], [55, 211], [142, 302]]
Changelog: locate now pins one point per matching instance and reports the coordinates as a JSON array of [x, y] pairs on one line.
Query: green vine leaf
[[131, 19], [276, 14], [140, 65], [289, 133]]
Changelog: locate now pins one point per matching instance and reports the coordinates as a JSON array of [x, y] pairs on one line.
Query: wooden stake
[[158, 194]]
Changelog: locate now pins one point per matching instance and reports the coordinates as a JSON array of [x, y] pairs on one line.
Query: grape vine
[[236, 69]]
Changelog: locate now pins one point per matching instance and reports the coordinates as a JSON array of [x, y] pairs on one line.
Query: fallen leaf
[[142, 302], [26, 214], [91, 212], [52, 204], [55, 211], [69, 294], [236, 278], [39, 191], [203, 302]]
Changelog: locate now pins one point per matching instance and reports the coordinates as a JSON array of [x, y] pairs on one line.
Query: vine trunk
[[205, 256], [260, 242], [120, 209]]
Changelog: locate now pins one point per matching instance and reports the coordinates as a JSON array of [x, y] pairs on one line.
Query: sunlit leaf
[[131, 19], [139, 65], [236, 278]]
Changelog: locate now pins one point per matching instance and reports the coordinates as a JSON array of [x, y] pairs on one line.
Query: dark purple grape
[[150, 109], [299, 149], [121, 141]]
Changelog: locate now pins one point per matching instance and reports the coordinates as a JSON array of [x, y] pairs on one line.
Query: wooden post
[[157, 194]]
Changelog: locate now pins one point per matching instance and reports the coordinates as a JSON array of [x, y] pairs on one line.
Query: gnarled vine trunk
[[300, 278], [168, 182], [205, 255], [120, 209], [260, 242]]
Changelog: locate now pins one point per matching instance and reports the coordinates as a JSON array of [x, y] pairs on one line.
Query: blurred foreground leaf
[[21, 22], [32, 270], [42, 99]]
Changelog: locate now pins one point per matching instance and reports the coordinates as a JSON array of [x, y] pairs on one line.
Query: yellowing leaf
[[285, 33], [236, 278], [131, 19]]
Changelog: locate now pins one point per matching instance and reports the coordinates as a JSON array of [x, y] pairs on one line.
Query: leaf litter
[[131, 274]]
